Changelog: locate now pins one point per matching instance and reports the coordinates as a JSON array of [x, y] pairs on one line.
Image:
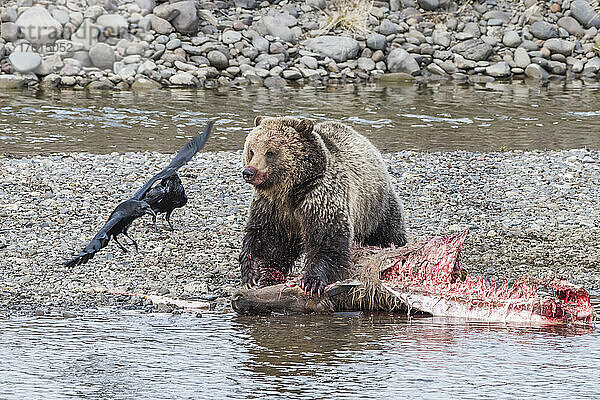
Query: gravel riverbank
[[528, 212], [146, 44]]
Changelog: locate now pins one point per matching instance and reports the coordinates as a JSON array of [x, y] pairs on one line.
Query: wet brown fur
[[318, 188]]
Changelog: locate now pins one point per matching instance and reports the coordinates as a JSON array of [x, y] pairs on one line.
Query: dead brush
[[349, 15]]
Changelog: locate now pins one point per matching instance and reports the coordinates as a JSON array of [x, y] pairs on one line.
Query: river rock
[[102, 56], [146, 4], [535, 71], [186, 20], [291, 74], [275, 27], [10, 31], [560, 46], [230, 37], [310, 62], [366, 64], [387, 27], [543, 30], [503, 16], [102, 84], [441, 37], [11, 81], [399, 60], [113, 25], [183, 79], [217, 59], [165, 11], [317, 4], [463, 63], [473, 49], [376, 41], [498, 70], [511, 39], [583, 12], [8, 14], [521, 58], [143, 83], [592, 66], [61, 16], [93, 12], [274, 82], [87, 34], [44, 69], [25, 61], [160, 25], [471, 30], [431, 5], [571, 25], [38, 26], [339, 48], [260, 43]]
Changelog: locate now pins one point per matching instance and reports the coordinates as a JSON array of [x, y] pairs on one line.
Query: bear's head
[[281, 153]]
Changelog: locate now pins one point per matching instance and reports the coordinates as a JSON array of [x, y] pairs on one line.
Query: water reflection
[[437, 116], [108, 354]]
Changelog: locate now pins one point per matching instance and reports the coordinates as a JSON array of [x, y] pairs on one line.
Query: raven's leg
[[119, 243], [168, 218], [132, 241]]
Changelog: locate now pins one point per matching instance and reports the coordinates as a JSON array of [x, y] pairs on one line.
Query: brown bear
[[318, 188]]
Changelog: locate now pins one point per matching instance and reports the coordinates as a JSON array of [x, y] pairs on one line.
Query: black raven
[[118, 223], [169, 193], [165, 196]]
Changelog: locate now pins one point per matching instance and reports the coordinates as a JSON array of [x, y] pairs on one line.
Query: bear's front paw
[[250, 277], [313, 284]]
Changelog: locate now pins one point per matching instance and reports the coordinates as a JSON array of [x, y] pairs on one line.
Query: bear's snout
[[249, 174]]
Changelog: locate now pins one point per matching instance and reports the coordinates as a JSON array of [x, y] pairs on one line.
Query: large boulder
[[12, 81], [160, 25], [473, 49], [186, 20], [399, 60], [113, 24], [87, 34], [9, 31], [560, 46], [583, 12], [217, 59], [498, 70], [571, 25], [339, 48], [24, 61], [376, 41], [38, 26], [543, 30], [102, 56], [277, 26]]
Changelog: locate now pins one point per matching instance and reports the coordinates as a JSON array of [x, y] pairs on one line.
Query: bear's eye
[[251, 154], [270, 154]]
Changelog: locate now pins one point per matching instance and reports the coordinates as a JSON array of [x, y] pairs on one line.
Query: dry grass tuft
[[350, 15]]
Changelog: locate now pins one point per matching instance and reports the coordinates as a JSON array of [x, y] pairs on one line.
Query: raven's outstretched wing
[[99, 241], [181, 158]]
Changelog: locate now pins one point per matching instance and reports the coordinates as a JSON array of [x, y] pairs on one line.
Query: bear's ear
[[258, 120], [303, 126]]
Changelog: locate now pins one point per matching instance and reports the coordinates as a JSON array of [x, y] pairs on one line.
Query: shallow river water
[[559, 115], [113, 354], [118, 355]]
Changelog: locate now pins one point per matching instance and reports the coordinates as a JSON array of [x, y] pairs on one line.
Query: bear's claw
[[312, 285]]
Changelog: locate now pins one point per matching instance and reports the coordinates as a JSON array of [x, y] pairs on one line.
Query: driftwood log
[[427, 277]]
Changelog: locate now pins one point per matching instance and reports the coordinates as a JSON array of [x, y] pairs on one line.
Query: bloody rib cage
[[428, 276]]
